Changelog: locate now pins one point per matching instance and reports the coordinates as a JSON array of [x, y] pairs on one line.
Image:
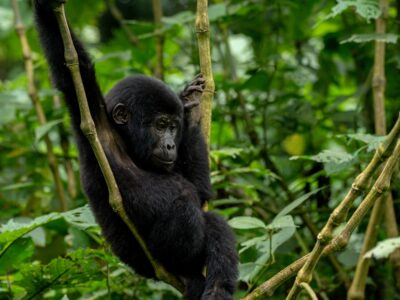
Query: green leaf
[[254, 242], [282, 222], [77, 269], [121, 55], [38, 279], [216, 11], [6, 19], [13, 230], [226, 152], [246, 223], [180, 18], [20, 250], [368, 9], [384, 248], [286, 210], [81, 217], [328, 156], [246, 271], [267, 248], [373, 141], [42, 130], [372, 37]]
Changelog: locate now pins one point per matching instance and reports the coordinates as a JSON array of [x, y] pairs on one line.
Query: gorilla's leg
[[221, 259]]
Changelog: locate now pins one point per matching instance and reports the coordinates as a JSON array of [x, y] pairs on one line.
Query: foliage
[[292, 127], [384, 248]]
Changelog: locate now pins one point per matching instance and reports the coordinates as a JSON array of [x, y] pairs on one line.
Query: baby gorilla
[[154, 145]]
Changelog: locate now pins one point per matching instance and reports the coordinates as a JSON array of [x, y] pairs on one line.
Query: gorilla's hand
[[190, 97], [191, 94]]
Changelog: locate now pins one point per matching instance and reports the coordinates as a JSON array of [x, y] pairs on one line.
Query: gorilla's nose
[[170, 146]]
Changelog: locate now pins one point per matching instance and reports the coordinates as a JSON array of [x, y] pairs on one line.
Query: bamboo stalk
[[89, 130], [71, 178], [116, 13], [159, 37], [203, 39], [32, 91]]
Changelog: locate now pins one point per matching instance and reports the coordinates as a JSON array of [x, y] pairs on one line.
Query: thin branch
[[32, 90], [309, 290], [116, 13], [89, 130], [71, 179], [203, 39], [159, 37]]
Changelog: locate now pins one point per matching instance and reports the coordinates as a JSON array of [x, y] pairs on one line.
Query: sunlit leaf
[[333, 160], [246, 223], [81, 217], [368, 9], [384, 248], [372, 37], [373, 141]]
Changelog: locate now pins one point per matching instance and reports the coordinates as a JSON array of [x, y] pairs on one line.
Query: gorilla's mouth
[[164, 162]]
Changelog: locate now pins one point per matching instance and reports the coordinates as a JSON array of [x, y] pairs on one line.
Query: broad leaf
[[289, 208], [384, 248], [246, 223]]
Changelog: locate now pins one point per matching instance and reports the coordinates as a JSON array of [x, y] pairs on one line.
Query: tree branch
[[116, 13], [89, 130], [62, 132], [158, 13], [32, 90], [203, 39]]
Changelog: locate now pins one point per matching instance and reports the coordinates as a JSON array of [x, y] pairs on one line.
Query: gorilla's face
[[165, 131], [152, 143], [149, 118]]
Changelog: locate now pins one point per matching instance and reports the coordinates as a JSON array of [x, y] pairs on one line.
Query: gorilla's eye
[[161, 124]]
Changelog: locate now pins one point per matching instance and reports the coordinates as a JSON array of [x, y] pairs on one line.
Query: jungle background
[[293, 123]]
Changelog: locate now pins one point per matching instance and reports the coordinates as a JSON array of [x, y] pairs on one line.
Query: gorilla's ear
[[120, 114]]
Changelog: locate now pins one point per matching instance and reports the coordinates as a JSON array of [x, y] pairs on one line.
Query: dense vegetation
[[294, 122]]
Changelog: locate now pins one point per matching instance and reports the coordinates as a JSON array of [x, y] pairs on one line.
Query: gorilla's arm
[[193, 161], [51, 41]]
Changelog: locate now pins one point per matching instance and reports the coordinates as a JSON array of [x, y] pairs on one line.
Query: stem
[[89, 130], [203, 39], [309, 290], [116, 13], [32, 90], [158, 13], [71, 179]]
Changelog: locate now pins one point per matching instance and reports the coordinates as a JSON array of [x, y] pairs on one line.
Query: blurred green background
[[292, 120]]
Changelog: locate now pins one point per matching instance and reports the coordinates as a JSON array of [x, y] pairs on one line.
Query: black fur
[[165, 205]]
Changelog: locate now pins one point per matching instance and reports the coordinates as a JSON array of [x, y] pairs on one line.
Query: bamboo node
[[72, 64], [379, 190], [201, 30]]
